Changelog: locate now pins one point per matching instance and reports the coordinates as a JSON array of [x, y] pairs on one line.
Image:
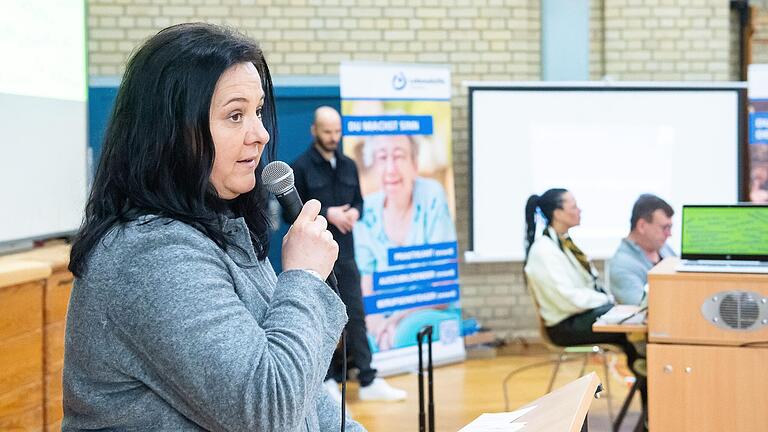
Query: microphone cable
[[333, 283]]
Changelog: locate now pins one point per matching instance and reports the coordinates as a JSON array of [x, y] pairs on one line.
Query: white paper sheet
[[626, 314], [498, 422]]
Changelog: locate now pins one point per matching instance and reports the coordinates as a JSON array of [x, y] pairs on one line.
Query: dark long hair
[[158, 152], [548, 202]]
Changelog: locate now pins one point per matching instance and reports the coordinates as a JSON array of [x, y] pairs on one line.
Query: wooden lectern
[[707, 351], [563, 410]]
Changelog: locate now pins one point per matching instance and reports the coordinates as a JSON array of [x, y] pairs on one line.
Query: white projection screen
[[43, 118], [605, 143]]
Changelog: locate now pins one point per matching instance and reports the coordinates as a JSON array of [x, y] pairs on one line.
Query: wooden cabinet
[[707, 388], [21, 345], [702, 376], [57, 289], [50, 296]]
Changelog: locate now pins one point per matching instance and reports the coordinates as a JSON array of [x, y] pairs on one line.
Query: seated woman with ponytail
[[563, 281]]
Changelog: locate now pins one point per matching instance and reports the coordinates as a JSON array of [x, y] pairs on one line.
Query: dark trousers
[[357, 339], [577, 330]]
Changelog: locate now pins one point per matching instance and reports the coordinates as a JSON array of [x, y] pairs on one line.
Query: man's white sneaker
[[332, 387], [380, 390]]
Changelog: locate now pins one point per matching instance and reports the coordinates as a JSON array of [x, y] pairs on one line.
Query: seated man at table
[[643, 248]]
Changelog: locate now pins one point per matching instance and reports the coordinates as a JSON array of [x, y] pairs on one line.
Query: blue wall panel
[[564, 40]]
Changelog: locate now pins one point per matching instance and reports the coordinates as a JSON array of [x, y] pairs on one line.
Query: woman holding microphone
[[177, 320]]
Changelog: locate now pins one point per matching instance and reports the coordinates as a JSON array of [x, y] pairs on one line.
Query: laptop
[[724, 239]]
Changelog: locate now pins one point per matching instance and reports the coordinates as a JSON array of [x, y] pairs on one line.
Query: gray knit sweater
[[167, 331]]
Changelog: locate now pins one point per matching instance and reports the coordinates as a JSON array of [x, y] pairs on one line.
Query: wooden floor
[[465, 390]]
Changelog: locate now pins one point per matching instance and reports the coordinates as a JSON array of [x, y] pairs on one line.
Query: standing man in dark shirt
[[325, 174]]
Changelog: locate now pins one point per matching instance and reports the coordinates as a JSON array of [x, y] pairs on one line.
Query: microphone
[[278, 179]]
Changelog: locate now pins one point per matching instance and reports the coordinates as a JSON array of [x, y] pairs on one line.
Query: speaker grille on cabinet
[[736, 310], [739, 311]]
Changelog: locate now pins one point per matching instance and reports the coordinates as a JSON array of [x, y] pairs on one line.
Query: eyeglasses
[[666, 227]]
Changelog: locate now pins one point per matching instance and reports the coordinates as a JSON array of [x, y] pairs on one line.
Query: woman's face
[[395, 163], [238, 134], [570, 213]]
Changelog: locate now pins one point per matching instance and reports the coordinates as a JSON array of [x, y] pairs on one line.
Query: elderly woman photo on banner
[[405, 240]]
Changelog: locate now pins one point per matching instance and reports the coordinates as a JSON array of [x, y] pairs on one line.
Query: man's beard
[[324, 146]]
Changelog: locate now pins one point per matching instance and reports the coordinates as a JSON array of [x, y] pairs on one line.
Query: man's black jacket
[[315, 178]]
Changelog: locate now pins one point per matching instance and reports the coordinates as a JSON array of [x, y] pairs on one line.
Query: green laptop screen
[[736, 230]]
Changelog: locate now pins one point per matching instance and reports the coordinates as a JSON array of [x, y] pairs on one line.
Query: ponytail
[[547, 203], [530, 222]]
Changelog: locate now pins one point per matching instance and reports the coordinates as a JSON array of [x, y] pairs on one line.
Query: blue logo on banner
[[758, 128], [399, 81], [422, 253], [425, 296], [387, 125]]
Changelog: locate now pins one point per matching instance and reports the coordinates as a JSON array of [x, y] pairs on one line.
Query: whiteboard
[[607, 144], [43, 118]]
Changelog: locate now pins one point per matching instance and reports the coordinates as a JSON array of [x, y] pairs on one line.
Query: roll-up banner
[[396, 123], [758, 132]]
